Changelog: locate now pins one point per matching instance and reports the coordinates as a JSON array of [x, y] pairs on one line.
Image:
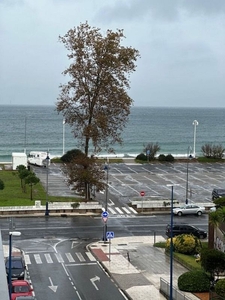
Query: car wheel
[[201, 236], [199, 213], [179, 213]]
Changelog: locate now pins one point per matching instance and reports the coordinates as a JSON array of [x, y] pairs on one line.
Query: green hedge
[[194, 282]]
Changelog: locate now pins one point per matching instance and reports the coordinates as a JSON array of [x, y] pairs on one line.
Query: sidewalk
[[137, 266]]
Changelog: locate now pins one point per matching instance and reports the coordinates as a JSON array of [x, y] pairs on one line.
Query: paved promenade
[[137, 266]]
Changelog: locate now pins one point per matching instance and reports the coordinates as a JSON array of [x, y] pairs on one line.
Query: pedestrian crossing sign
[[110, 234]]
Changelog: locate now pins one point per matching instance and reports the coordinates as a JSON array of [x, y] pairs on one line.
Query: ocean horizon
[[40, 128]]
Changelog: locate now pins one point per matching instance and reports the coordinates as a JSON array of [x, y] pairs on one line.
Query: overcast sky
[[181, 42]]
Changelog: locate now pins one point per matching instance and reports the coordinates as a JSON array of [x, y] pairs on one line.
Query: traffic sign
[[142, 193], [104, 219], [110, 234], [105, 214]]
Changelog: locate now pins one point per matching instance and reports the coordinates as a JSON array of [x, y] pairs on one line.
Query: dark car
[[187, 229], [18, 267], [218, 193]]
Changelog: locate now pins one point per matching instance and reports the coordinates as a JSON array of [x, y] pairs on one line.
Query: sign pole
[[105, 215], [109, 249], [142, 193]]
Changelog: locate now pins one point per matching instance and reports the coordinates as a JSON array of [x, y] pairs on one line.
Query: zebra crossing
[[50, 258], [121, 211]]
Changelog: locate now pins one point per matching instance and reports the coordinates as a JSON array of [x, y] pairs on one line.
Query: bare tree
[[213, 151], [151, 149], [95, 102]]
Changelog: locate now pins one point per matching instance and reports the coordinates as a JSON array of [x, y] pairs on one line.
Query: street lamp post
[[195, 123], [11, 233], [63, 150], [189, 156], [107, 183], [106, 168], [46, 203], [171, 242]]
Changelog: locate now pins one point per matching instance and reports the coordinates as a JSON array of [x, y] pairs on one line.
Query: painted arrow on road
[[74, 244], [52, 287], [96, 278]]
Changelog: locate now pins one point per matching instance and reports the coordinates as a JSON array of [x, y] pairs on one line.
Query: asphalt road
[[59, 264]]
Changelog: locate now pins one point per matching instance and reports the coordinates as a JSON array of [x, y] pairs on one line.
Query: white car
[[189, 209]]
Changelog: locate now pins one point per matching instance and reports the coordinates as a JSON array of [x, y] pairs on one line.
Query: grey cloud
[[167, 10]]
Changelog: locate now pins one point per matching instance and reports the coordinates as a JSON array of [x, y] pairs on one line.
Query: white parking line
[[133, 170], [150, 179]]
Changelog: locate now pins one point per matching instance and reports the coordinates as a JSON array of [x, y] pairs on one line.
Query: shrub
[[187, 244], [194, 282], [168, 243], [75, 204], [70, 155], [162, 157], [142, 157], [169, 158], [220, 287], [213, 261]]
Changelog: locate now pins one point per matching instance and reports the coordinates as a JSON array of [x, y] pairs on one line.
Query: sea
[[41, 128]]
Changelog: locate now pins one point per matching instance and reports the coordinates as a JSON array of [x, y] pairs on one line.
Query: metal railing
[[165, 290]]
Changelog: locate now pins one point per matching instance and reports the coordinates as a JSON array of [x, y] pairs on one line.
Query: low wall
[[56, 208]]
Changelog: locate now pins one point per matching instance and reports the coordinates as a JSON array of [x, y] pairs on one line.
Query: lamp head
[[15, 233]]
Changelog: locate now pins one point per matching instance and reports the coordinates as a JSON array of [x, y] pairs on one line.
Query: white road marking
[[37, 258], [59, 257], [126, 210], [48, 258], [70, 257], [27, 259], [111, 210], [90, 256], [119, 210], [80, 256]]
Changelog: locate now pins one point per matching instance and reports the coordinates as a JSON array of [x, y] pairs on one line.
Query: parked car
[[218, 193], [18, 267], [189, 209], [21, 288], [186, 229]]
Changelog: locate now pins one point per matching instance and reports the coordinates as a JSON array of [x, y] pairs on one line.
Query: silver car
[[189, 209]]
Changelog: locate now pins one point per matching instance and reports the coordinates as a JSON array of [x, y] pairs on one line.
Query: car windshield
[[21, 289], [16, 264]]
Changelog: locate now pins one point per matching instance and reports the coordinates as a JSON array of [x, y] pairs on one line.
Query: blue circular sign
[[105, 214]]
